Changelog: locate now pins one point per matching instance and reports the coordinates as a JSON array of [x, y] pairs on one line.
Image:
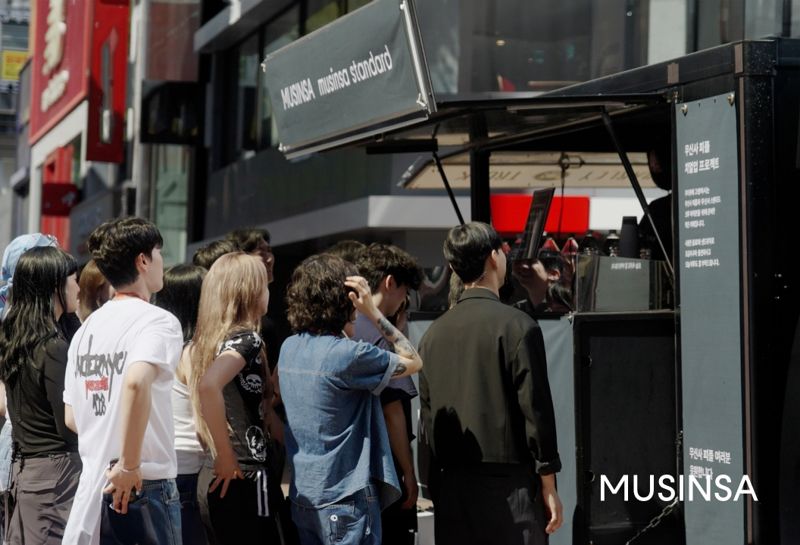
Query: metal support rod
[[479, 173], [140, 174], [786, 30], [637, 188], [447, 187], [417, 57], [563, 162]]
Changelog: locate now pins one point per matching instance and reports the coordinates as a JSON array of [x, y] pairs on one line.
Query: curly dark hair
[[116, 244], [377, 261], [317, 300]]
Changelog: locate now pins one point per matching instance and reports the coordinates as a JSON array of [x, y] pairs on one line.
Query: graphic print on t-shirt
[[98, 372], [244, 398], [257, 443], [120, 333], [251, 383]]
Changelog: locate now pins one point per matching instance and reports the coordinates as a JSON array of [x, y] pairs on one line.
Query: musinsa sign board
[[363, 74]]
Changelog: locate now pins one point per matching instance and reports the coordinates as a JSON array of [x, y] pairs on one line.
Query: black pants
[[399, 525], [192, 530], [487, 504], [234, 519]]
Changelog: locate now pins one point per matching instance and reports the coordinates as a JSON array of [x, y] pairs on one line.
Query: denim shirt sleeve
[[371, 368]]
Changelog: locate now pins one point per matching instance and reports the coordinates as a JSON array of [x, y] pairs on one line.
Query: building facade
[[473, 48], [14, 18], [194, 142]]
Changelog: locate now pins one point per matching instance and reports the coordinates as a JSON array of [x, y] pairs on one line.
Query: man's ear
[[389, 282], [493, 259], [141, 262], [553, 275]]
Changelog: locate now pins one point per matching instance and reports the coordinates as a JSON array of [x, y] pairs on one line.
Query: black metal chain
[[668, 509], [655, 521]]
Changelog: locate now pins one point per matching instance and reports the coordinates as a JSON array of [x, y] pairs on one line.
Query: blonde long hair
[[230, 302]]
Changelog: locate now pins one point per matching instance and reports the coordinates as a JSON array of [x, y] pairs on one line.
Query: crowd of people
[[141, 406]]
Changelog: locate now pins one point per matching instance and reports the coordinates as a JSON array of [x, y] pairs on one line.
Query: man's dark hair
[[208, 254], [659, 161], [181, 295], [552, 261], [467, 247], [116, 244], [317, 300], [349, 250], [378, 261], [247, 240], [456, 289]]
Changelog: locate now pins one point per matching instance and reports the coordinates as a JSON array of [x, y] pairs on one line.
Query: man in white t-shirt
[[119, 375]]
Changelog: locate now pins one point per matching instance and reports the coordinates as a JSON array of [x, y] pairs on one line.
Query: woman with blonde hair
[[232, 395]]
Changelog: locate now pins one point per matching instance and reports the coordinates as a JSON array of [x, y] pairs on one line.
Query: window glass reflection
[[280, 32]]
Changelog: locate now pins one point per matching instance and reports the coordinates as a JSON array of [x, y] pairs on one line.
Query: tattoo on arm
[[399, 370], [401, 345], [404, 345], [388, 330]]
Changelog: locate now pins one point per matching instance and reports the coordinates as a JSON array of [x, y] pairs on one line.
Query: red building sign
[[80, 51], [108, 81], [60, 62]]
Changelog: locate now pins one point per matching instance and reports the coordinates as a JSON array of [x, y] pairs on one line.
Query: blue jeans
[[192, 529], [355, 520], [6, 448], [153, 518]]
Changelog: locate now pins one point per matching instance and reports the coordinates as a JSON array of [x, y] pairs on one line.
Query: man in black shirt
[[659, 163], [486, 408]]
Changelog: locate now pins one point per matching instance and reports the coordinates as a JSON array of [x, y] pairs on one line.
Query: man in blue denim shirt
[[336, 439]]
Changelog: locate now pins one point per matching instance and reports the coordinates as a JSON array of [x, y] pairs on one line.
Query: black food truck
[[677, 378]]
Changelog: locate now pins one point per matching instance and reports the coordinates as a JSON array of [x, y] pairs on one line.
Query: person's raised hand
[[361, 295], [531, 275]]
